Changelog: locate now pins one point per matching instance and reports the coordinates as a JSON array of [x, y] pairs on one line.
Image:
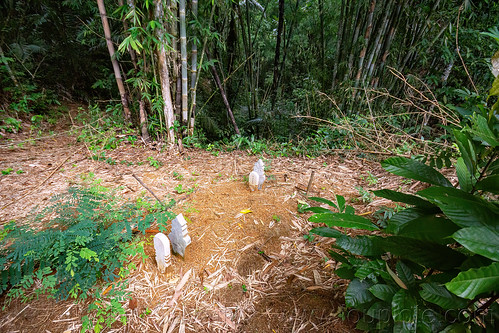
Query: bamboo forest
[[249, 166]]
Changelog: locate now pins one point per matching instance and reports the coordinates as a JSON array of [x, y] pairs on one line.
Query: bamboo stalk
[[183, 57], [194, 59], [116, 67], [164, 76]]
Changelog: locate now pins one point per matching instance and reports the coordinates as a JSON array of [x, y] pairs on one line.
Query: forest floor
[[250, 272]]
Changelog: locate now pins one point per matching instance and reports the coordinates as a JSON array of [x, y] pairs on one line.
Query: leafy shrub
[[86, 241], [11, 125], [435, 265]]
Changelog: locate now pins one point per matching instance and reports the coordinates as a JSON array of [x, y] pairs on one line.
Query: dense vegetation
[[434, 267], [264, 70]]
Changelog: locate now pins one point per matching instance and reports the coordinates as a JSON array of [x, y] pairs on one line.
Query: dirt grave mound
[[243, 272]]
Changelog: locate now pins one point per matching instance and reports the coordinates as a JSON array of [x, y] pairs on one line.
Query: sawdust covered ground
[[249, 272]]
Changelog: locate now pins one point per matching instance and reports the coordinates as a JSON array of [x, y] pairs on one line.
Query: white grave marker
[[253, 180], [257, 176], [178, 236], [162, 247]]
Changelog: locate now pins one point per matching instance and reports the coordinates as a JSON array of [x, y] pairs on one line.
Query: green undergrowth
[[81, 252], [433, 265], [103, 130]]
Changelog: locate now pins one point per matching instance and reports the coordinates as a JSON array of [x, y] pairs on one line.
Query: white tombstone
[[178, 236], [162, 247], [253, 180], [258, 169]]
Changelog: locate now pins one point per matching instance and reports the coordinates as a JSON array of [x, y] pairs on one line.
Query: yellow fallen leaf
[[245, 211]]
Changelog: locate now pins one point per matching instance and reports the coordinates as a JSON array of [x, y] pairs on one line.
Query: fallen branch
[[147, 188]]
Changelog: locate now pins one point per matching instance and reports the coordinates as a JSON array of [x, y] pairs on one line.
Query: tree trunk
[[277, 55], [164, 75], [322, 41], [224, 96], [367, 35], [9, 70], [388, 42], [339, 40], [353, 46], [183, 56], [376, 46], [288, 39], [142, 109], [253, 96], [116, 67], [249, 65], [194, 59]]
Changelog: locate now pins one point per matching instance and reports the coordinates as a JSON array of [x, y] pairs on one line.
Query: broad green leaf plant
[[434, 266]]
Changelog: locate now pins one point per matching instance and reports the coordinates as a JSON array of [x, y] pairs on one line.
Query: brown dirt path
[[252, 273]]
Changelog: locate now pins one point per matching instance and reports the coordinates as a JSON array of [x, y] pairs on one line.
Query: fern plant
[[86, 242], [434, 266]]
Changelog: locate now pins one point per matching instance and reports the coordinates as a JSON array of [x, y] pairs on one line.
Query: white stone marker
[[178, 236], [258, 168], [253, 180], [162, 247]]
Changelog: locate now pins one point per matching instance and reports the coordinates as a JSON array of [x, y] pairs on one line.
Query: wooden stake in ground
[[310, 181]]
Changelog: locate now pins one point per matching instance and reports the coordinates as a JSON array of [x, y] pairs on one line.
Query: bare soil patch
[[245, 272]]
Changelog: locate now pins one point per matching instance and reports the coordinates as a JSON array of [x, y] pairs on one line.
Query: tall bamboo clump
[[183, 57], [114, 61], [366, 37], [194, 59], [164, 74]]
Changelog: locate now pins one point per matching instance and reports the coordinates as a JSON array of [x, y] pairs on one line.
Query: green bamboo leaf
[[429, 228], [404, 198], [326, 232], [343, 220], [476, 281], [324, 201], [383, 291], [464, 209], [489, 184], [358, 293], [404, 306], [438, 294], [479, 240], [124, 44], [413, 169]]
